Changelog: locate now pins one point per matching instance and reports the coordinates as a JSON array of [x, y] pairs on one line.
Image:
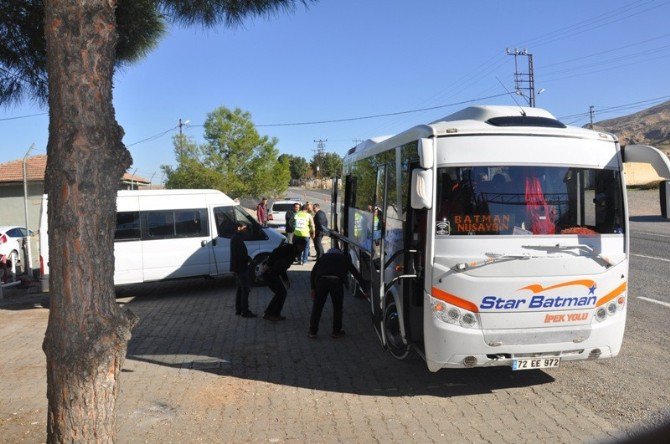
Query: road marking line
[[649, 234], [651, 257], [665, 304]]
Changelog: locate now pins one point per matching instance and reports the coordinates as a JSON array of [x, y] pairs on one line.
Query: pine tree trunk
[[87, 334]]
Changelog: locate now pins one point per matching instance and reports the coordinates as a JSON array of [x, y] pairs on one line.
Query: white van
[[171, 234]]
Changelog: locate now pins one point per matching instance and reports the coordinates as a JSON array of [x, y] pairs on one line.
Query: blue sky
[[341, 59]]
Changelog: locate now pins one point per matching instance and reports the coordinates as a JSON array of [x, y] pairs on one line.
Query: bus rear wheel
[[394, 342]]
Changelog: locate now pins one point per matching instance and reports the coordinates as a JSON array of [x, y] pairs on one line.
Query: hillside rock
[[647, 127]]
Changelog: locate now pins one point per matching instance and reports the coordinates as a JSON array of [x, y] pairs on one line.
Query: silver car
[[277, 213]]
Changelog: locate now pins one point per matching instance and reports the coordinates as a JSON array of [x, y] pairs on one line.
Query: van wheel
[[256, 276], [394, 342]]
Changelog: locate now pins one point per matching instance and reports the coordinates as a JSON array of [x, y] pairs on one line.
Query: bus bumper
[[453, 346]]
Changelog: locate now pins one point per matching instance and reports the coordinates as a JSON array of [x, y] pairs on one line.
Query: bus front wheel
[[394, 342]]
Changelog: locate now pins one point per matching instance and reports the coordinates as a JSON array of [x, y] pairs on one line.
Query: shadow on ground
[[191, 324]]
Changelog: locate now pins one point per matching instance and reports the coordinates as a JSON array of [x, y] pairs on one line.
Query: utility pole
[[524, 81], [28, 267], [318, 153], [592, 113], [181, 140]]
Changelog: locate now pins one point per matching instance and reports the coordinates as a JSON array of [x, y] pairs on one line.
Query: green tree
[[298, 166], [330, 164], [65, 52], [235, 158]]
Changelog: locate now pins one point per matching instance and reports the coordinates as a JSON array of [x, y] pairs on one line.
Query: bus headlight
[[601, 314], [453, 315], [468, 320], [611, 308]]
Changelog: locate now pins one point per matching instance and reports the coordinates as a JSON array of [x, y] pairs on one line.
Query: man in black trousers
[[328, 277], [239, 264], [321, 229], [275, 276]]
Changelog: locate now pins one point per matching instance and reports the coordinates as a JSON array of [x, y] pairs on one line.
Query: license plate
[[535, 363]]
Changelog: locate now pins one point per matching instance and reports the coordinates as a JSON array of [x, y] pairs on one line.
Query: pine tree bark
[[87, 334]]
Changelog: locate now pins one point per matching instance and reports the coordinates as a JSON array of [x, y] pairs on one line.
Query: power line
[[614, 108], [373, 116], [22, 117], [609, 61], [641, 42], [155, 136], [596, 71], [616, 15]]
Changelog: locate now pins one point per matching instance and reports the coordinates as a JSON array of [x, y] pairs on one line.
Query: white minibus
[[497, 236], [171, 234]]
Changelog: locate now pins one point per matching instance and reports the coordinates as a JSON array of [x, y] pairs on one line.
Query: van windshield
[[528, 200]]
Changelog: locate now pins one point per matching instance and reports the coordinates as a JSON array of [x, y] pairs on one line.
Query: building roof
[[12, 171]]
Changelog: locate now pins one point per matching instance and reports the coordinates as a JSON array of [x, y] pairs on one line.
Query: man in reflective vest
[[304, 230]]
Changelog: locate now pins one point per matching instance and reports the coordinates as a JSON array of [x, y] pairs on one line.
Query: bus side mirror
[[426, 153], [659, 162], [422, 189], [664, 188]]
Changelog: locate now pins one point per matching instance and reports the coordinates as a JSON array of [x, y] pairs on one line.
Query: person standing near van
[[239, 264], [275, 276], [310, 210], [262, 212], [304, 230], [290, 222], [321, 228]]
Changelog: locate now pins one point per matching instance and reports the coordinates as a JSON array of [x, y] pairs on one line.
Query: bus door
[[414, 239], [377, 259], [335, 210]]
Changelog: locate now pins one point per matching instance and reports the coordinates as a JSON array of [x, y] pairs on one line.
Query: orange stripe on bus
[[536, 288], [454, 300], [611, 295]]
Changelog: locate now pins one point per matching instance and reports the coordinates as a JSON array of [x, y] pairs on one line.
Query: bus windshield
[[528, 200]]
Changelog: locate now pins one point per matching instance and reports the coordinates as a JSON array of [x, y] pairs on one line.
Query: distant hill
[[647, 127]]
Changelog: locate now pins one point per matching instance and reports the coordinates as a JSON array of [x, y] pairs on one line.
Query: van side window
[[175, 223], [159, 224], [226, 224], [127, 226], [191, 223]]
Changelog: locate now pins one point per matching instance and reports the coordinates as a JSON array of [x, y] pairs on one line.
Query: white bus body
[[171, 234], [495, 236]]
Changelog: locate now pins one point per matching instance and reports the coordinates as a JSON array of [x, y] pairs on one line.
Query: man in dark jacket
[[328, 276], [239, 264], [275, 276], [321, 226], [290, 222]]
